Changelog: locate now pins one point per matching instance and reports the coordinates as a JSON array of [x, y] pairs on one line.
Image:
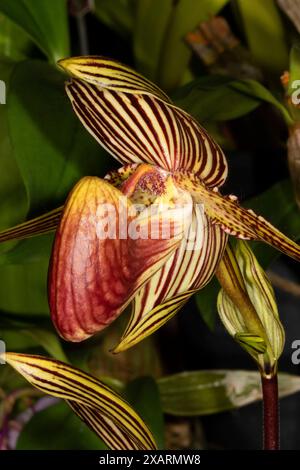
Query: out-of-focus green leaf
[[214, 391], [21, 339], [143, 395], [294, 67], [285, 217], [58, 428], [206, 302], [265, 33], [31, 250], [151, 22], [13, 204], [45, 21], [50, 145], [175, 54], [50, 342], [23, 288], [14, 42], [117, 14], [218, 98]]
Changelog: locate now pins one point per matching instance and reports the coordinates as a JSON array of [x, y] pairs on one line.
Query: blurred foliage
[[265, 32], [45, 22]]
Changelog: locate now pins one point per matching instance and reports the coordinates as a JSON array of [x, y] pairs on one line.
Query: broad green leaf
[[285, 217], [22, 339], [14, 42], [45, 21], [151, 22], [13, 203], [214, 391], [143, 395], [175, 54], [51, 147], [294, 67], [265, 33], [66, 432], [23, 288], [206, 301], [218, 98], [50, 342], [32, 250], [117, 14]]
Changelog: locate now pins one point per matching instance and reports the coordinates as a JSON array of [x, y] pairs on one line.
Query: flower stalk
[[271, 439]]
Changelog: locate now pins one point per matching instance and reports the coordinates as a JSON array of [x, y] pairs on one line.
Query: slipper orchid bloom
[[170, 164]]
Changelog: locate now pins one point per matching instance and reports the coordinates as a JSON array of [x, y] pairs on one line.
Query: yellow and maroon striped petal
[[105, 250], [103, 410], [37, 226], [189, 269], [226, 212], [136, 122]]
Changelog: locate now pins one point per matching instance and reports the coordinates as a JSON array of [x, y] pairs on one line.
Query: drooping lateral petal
[[37, 226], [97, 405], [189, 269], [234, 219], [139, 124], [105, 428], [104, 251]]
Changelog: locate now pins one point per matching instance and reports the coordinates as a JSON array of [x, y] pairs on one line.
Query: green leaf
[[64, 431], [175, 54], [214, 391], [294, 68], [265, 33], [13, 203], [31, 250], [206, 301], [50, 342], [152, 17], [118, 15], [143, 395], [23, 288], [50, 145], [20, 339], [285, 217], [14, 42], [46, 22], [218, 98]]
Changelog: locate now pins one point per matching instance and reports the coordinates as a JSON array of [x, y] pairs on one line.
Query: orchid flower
[[169, 163]]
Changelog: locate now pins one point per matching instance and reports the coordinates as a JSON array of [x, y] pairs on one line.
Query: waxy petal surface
[[94, 276]]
